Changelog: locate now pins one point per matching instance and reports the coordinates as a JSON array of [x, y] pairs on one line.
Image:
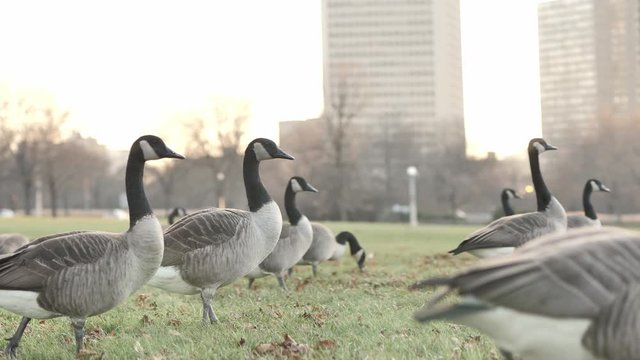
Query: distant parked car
[[7, 213]]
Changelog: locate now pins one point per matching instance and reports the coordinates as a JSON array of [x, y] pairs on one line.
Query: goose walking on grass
[[505, 197], [357, 252], [10, 242], [295, 237], [590, 218], [85, 273], [211, 248], [505, 234], [570, 296], [322, 248]]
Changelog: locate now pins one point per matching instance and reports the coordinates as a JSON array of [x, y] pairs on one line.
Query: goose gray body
[[295, 236], [10, 242], [589, 218], [503, 235], [85, 273], [323, 247], [572, 295], [213, 247]]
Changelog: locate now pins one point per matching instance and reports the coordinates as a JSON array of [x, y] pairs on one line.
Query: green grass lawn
[[341, 314]]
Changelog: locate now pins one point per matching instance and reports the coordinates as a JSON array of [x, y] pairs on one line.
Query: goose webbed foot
[[207, 310], [78, 331], [12, 347]]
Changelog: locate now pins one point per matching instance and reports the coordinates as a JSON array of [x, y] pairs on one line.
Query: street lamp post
[[413, 206]]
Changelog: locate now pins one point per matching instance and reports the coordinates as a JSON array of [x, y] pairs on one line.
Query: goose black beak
[[515, 195], [173, 155], [550, 147], [280, 154], [311, 188], [605, 189]]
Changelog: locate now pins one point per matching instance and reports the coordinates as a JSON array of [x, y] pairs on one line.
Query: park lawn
[[341, 314]]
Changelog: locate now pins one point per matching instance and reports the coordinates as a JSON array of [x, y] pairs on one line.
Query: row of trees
[[74, 172]]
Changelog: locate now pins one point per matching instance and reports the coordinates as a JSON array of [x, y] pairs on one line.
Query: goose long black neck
[[257, 195], [506, 205], [136, 198], [290, 205], [543, 195], [589, 211]]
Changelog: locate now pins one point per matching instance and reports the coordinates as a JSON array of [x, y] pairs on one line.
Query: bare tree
[[345, 103], [215, 140]]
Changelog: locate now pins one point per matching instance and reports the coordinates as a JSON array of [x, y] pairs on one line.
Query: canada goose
[[322, 248], [573, 295], [590, 218], [506, 195], [85, 273], [501, 236], [176, 213], [211, 248], [10, 242], [357, 252], [295, 237]]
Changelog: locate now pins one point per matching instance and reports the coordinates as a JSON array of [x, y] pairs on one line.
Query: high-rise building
[[393, 69], [589, 67]]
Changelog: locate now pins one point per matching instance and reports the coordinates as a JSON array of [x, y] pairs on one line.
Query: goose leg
[[290, 271], [12, 347], [207, 309], [78, 330], [314, 268], [251, 280], [281, 282]]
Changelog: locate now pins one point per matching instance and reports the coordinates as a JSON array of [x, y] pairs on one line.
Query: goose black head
[[540, 145], [357, 252], [176, 214], [265, 149], [152, 148], [597, 185], [510, 194], [299, 184]]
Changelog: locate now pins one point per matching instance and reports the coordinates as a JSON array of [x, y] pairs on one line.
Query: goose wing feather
[[201, 229], [574, 277], [508, 231], [614, 332], [31, 266]]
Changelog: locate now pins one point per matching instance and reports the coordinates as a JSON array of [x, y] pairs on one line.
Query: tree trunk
[[53, 196], [27, 188]]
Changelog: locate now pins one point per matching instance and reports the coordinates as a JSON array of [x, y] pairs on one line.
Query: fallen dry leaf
[[242, 342], [325, 344], [146, 320], [264, 349]]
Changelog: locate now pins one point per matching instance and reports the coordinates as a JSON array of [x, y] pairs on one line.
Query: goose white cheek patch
[[539, 147], [147, 151], [295, 186], [261, 152]]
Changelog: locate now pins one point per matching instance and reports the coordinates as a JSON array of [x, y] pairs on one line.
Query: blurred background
[[357, 90]]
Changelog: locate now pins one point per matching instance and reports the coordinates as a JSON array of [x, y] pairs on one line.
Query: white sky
[[125, 68]]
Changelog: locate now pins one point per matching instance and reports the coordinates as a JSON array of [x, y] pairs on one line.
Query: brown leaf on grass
[[242, 342], [300, 285], [291, 348], [146, 320], [249, 326], [141, 299], [265, 349], [324, 344], [174, 322]]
